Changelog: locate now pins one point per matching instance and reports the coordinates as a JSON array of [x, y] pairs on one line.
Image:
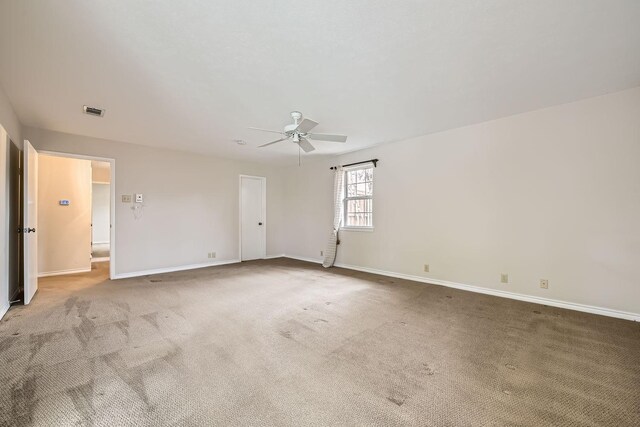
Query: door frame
[[11, 145], [112, 204], [264, 213]]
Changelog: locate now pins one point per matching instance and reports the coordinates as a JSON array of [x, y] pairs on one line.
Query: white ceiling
[[192, 75]]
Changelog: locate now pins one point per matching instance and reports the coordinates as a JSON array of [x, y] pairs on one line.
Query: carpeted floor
[[283, 342]]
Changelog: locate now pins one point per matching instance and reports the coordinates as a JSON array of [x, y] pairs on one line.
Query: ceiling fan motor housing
[[290, 129]]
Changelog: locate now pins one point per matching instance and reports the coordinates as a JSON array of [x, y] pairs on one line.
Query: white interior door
[[30, 221], [252, 218]]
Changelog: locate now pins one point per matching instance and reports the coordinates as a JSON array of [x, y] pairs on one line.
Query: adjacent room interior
[[320, 213], [100, 211], [74, 214]]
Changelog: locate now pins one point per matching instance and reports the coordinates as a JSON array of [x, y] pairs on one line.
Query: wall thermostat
[[64, 202], [138, 198]]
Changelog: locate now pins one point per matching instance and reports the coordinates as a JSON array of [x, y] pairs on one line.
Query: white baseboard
[[498, 293], [184, 267], [100, 243], [494, 292], [101, 259], [173, 269], [301, 258], [63, 272], [503, 294], [4, 308]]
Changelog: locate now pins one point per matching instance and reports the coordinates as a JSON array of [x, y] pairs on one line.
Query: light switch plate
[[126, 198], [138, 198]]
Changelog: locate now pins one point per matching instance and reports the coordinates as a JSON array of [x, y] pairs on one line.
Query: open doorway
[[75, 202], [15, 223], [100, 211]]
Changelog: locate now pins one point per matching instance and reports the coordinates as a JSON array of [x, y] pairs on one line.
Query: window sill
[[365, 229]]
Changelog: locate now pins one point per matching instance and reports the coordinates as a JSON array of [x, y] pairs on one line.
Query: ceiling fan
[[298, 133]]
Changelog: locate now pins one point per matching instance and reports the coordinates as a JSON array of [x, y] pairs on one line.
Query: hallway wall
[[101, 201], [64, 235]]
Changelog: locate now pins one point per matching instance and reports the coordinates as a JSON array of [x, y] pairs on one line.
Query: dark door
[[15, 222]]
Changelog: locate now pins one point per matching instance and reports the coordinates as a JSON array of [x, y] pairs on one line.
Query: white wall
[[4, 222], [100, 172], [551, 194], [9, 127], [9, 119], [64, 232], [100, 206], [190, 202]]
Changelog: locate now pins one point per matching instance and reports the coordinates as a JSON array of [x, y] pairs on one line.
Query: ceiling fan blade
[[267, 130], [272, 142], [327, 137], [305, 145], [306, 125]]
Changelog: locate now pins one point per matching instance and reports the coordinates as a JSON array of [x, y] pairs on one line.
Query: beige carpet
[[284, 342]]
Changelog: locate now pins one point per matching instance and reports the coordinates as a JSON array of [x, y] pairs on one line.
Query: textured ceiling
[[192, 75]]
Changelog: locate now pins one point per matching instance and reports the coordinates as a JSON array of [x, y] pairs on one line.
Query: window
[[358, 200]]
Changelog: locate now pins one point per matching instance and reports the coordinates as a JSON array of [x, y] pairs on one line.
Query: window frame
[[346, 198]]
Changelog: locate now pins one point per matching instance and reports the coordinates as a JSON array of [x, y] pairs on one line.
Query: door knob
[[259, 223], [31, 230]]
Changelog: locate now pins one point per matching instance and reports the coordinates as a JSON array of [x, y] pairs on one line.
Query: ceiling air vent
[[93, 111]]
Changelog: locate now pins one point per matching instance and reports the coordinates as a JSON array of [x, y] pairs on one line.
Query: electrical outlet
[[544, 283], [504, 278], [426, 268], [211, 255], [321, 253], [126, 198]]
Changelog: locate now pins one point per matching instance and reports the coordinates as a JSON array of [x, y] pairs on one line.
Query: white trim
[[504, 294], [264, 213], [100, 243], [346, 198], [4, 264], [112, 210], [302, 258], [63, 272], [365, 165], [100, 259], [174, 269], [74, 156], [275, 256], [352, 228], [494, 292], [4, 308]]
